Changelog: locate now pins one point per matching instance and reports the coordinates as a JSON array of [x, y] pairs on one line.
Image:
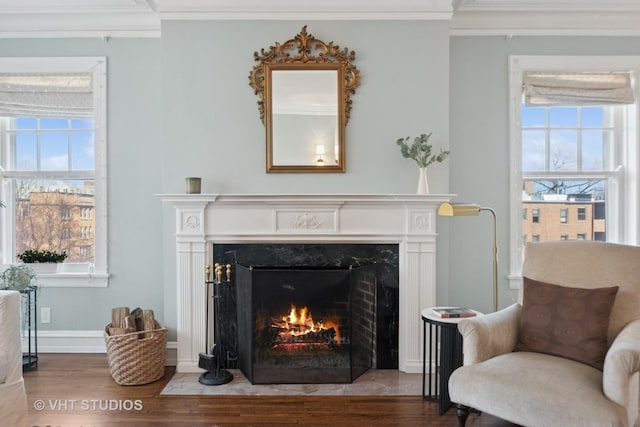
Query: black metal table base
[[441, 363]]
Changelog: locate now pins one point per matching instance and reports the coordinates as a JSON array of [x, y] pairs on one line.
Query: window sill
[[73, 280]]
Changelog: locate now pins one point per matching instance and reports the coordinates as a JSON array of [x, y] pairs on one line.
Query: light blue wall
[[213, 128], [134, 176], [479, 164], [182, 106]]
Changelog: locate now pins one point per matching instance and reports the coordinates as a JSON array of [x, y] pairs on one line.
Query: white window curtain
[[550, 88], [46, 95]]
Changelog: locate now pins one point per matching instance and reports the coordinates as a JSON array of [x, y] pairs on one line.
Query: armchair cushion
[[565, 321]]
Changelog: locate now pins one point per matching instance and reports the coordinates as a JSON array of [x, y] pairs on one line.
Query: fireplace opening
[[319, 256], [305, 325]]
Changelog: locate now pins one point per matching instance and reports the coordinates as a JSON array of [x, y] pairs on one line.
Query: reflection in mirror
[[304, 87], [304, 117]]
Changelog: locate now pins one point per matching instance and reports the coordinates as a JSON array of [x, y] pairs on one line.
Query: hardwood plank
[[77, 390]]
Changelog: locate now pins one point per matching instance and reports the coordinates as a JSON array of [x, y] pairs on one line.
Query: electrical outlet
[[45, 315]]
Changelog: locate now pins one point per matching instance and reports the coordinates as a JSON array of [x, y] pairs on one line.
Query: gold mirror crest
[[304, 48]]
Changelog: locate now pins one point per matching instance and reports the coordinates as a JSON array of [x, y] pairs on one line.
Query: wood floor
[[69, 390]]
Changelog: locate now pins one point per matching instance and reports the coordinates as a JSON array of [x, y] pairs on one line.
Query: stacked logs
[[124, 321]]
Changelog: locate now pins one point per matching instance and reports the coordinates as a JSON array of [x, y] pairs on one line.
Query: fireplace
[[382, 259], [404, 220], [305, 325]]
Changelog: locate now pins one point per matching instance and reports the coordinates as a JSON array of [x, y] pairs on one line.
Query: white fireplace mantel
[[204, 219]]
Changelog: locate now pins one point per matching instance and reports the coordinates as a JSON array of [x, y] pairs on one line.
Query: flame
[[300, 322]]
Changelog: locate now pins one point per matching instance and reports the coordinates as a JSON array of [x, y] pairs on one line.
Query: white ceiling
[[141, 18]]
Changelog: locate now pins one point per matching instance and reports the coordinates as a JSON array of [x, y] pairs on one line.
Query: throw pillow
[[566, 322]]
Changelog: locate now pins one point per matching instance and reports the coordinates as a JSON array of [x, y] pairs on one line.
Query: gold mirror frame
[[305, 52]]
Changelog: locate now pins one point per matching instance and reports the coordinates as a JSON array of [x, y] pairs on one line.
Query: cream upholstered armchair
[[13, 399], [561, 356]]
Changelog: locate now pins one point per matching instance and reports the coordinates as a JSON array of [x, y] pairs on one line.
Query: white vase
[[423, 185]]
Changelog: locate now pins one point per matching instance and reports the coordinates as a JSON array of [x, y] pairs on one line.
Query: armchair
[[13, 399], [535, 388]]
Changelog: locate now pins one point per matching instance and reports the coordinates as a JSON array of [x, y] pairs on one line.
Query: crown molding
[[538, 23], [546, 17], [102, 25], [142, 18], [306, 10], [547, 5], [78, 18]]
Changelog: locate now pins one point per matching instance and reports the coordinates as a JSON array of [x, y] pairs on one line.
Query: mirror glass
[[304, 86], [304, 118]]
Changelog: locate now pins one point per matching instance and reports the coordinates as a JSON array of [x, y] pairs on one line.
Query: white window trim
[[624, 229], [99, 276]]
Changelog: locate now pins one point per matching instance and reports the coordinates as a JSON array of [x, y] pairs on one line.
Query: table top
[[428, 314]]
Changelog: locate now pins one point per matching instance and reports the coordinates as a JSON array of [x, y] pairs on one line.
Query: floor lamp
[[467, 209]]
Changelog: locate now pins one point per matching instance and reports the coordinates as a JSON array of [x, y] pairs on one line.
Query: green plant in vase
[[17, 278], [421, 151]]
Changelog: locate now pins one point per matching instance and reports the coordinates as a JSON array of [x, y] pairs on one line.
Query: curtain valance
[[551, 88], [46, 95]]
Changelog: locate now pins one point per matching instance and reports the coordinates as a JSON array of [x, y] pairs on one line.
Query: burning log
[[298, 327]]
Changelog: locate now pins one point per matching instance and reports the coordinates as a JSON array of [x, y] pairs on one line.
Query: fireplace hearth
[[305, 325]]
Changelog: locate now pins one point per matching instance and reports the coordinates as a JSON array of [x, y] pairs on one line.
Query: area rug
[[374, 382]]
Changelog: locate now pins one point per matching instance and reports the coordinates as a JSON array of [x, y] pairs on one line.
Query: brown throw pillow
[[566, 322]]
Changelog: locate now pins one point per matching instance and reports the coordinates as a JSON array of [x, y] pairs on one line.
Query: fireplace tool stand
[[215, 375]]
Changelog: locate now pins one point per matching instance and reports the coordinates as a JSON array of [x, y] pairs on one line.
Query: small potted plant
[[420, 151], [42, 260], [17, 278]]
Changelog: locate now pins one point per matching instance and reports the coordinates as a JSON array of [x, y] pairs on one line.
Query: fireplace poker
[[214, 375]]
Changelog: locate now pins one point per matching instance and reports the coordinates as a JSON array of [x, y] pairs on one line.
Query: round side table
[[444, 331]]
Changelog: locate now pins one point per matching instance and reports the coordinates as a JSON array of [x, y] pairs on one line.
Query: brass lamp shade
[[458, 209]]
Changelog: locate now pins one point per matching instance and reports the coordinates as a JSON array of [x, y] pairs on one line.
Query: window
[[575, 156], [53, 160], [582, 214], [535, 215], [563, 215]]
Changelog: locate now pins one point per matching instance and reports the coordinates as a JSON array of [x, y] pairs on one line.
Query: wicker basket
[[137, 358]]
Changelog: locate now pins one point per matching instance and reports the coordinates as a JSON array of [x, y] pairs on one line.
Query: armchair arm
[[488, 336], [621, 362]]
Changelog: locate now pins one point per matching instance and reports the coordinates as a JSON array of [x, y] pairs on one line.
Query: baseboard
[[83, 342]]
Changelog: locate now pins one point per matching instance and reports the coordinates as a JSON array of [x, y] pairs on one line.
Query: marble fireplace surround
[[404, 219]]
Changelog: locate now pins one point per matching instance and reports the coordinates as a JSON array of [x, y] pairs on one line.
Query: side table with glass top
[[442, 331]]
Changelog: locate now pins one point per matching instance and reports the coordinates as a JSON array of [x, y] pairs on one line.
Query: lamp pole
[[495, 257]]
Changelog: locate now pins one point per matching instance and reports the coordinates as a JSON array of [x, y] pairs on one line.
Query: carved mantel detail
[[306, 221]]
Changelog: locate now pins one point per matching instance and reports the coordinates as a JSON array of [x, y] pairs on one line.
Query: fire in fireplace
[[297, 331], [305, 325]]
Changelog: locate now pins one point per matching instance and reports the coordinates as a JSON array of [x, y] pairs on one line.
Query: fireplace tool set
[[211, 362]]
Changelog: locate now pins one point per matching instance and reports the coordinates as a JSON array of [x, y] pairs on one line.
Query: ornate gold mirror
[[304, 87]]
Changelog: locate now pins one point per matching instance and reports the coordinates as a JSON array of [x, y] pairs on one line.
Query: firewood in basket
[[148, 321], [137, 315], [117, 316], [130, 324]]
